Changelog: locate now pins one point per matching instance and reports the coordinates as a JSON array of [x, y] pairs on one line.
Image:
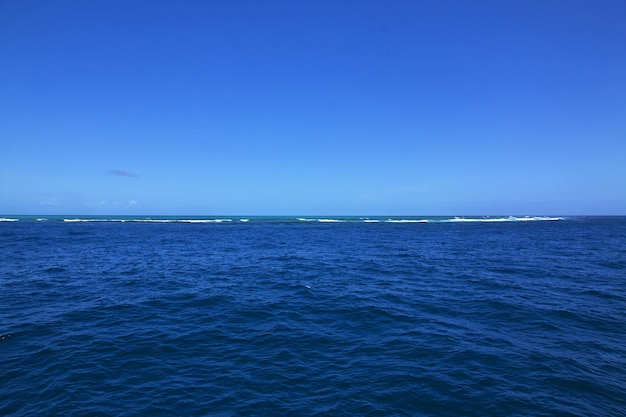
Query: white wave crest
[[537, 218], [501, 219], [474, 220], [406, 221], [4, 219], [152, 221], [203, 220], [92, 220]]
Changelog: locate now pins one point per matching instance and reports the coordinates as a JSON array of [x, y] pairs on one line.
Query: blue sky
[[312, 107]]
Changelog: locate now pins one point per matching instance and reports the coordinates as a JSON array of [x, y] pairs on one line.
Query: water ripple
[[311, 319]]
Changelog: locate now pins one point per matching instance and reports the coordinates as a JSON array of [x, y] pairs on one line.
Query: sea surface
[[312, 316]]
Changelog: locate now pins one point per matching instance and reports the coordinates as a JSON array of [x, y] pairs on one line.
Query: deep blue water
[[280, 316]]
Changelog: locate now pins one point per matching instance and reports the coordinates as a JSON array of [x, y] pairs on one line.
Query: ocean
[[312, 316]]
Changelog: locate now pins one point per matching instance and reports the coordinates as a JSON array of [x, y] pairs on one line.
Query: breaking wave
[[286, 219]]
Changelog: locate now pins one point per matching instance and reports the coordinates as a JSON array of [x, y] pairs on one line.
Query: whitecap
[[203, 220], [474, 220], [501, 219], [153, 221], [406, 221], [538, 218], [4, 219]]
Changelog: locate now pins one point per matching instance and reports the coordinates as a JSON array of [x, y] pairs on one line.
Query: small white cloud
[[133, 202], [50, 202], [96, 203], [123, 173]]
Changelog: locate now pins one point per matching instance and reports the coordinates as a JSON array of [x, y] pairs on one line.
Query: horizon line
[[314, 215]]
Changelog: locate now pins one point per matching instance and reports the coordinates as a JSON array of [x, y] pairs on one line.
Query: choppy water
[[313, 316]]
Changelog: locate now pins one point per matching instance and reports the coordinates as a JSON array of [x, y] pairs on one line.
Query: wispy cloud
[[122, 173], [111, 204], [100, 203], [50, 202]]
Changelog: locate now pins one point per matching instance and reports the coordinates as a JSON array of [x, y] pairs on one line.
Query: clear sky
[[312, 107]]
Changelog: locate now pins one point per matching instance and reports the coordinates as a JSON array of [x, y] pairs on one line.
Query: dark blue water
[[270, 316]]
